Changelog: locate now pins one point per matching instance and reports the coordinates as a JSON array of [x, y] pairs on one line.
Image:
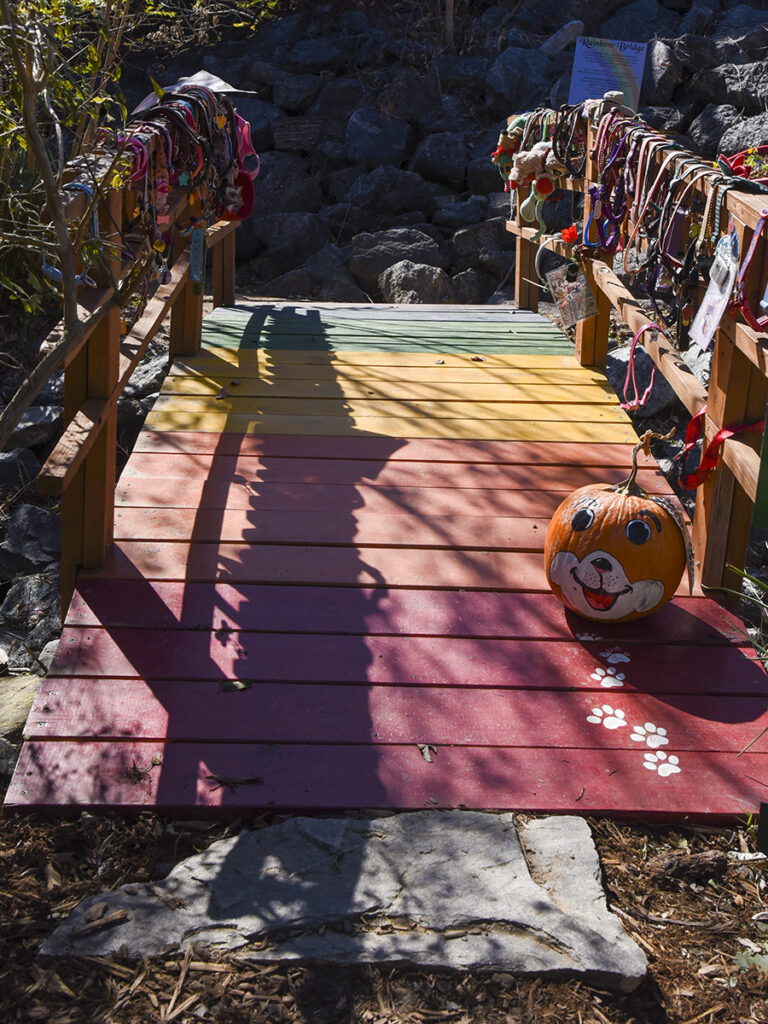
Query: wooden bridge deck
[[326, 591]]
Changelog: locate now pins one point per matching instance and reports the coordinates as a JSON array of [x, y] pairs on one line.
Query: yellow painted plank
[[464, 429], [488, 391], [258, 357], [355, 408], [223, 373]]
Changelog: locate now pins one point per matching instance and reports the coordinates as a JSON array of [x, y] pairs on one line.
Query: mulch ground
[[698, 912]]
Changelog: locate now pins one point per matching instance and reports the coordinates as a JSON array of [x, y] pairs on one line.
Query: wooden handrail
[[81, 468], [738, 388]]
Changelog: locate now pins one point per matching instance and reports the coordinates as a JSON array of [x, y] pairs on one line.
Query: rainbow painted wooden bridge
[[326, 591]]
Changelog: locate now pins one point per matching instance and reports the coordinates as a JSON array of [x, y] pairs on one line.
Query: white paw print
[[650, 734], [615, 655], [586, 637], [607, 716], [659, 762], [608, 677]]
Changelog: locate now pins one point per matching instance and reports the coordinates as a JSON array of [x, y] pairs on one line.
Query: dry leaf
[[52, 877], [427, 751], [223, 393], [96, 911]]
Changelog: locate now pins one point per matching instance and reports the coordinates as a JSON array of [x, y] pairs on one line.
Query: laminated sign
[[607, 65]]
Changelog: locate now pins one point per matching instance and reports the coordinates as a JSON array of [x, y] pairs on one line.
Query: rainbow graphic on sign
[[605, 65]]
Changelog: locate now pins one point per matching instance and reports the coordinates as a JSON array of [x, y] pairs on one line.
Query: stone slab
[[458, 889], [17, 695]]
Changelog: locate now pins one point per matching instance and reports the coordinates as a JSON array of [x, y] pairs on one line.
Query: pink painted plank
[[221, 491], [365, 567], [167, 605], [405, 661], [341, 528], [392, 449], [98, 775], [478, 716], [252, 470]]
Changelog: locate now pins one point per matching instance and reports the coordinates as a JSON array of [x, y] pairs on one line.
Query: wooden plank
[[168, 606], [222, 373], [339, 528], [329, 565], [287, 497], [486, 391], [287, 712], [304, 357], [408, 661], [180, 777], [432, 312], [250, 470], [394, 427], [395, 450], [223, 271]]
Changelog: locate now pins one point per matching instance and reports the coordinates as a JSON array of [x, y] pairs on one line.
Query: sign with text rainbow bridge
[[604, 65]]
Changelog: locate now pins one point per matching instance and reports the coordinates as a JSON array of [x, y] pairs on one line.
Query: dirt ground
[[705, 934]]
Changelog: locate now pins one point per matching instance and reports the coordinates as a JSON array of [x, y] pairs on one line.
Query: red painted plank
[[341, 528], [170, 605], [389, 449], [251, 470], [365, 567], [478, 716], [181, 777], [405, 661]]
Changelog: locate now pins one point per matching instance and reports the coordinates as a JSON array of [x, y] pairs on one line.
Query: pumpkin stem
[[629, 486]]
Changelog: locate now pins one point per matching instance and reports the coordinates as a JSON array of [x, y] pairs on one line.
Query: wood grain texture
[[341, 559]]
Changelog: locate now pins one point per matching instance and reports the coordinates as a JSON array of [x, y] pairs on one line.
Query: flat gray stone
[[456, 889]]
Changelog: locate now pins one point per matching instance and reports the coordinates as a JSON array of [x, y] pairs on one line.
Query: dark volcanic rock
[[372, 254]]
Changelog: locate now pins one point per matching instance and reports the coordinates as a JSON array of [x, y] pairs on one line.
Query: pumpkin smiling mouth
[[601, 600]]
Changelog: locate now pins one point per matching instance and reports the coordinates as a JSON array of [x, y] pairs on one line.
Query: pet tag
[[572, 294], [197, 260], [722, 275], [764, 301]]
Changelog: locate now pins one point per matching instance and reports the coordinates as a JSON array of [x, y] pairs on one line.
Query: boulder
[[462, 72], [339, 97], [518, 80], [699, 17], [373, 140], [289, 238], [442, 157], [409, 95], [743, 133], [29, 600], [661, 399], [743, 86], [313, 56], [294, 93], [663, 72], [469, 243], [640, 22], [415, 282], [472, 287], [451, 114], [372, 254], [564, 37], [390, 191], [17, 469], [40, 425], [710, 126], [462, 214], [330, 277], [32, 541]]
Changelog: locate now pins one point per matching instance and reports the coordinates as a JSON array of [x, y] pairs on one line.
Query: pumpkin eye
[[638, 531], [583, 520]]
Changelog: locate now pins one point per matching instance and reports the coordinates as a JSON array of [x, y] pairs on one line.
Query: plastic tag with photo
[[572, 293]]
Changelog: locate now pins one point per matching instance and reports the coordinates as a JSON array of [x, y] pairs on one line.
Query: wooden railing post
[[224, 271], [87, 513], [526, 291], [592, 333], [186, 312]]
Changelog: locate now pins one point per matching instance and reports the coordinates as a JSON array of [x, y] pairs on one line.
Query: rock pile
[[376, 181]]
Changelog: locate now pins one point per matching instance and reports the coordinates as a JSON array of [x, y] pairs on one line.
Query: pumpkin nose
[[601, 564]]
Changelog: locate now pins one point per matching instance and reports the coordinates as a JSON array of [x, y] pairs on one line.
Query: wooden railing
[[738, 387], [81, 469]]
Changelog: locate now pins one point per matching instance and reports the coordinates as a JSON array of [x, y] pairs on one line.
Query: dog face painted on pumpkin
[[597, 586], [613, 557]]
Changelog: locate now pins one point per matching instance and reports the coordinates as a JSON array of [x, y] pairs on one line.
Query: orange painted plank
[[393, 449]]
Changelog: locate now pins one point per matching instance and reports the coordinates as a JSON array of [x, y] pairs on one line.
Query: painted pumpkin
[[612, 553]]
